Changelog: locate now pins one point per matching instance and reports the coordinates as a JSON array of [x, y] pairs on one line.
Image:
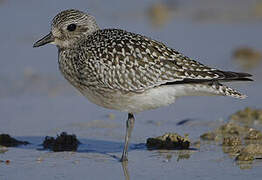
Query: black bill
[[45, 40]]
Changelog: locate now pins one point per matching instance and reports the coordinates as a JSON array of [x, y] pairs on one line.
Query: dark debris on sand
[[63, 142], [168, 141], [8, 141]]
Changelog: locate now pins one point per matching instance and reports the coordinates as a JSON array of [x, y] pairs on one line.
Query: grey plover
[[129, 72]]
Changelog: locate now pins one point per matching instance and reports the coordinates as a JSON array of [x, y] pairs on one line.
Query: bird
[[129, 72]]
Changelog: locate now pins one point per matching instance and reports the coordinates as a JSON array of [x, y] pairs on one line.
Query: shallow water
[[35, 100]]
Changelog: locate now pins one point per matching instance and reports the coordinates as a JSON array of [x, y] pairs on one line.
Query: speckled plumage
[[120, 60], [112, 60], [129, 72]]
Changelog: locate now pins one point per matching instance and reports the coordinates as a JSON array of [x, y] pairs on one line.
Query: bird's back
[[119, 60]]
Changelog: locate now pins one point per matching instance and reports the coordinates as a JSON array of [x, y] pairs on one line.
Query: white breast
[[133, 102], [150, 99]]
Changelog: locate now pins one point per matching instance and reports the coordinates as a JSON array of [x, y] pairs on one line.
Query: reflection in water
[[125, 170], [179, 154], [245, 164], [183, 156]]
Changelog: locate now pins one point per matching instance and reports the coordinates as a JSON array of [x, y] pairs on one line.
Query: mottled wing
[[131, 62]]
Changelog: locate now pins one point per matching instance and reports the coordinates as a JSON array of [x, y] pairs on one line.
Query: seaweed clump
[[232, 141], [253, 134], [248, 116], [226, 130], [63, 142], [8, 141], [238, 137], [250, 152], [168, 141]]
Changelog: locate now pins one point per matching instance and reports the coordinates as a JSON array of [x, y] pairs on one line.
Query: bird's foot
[[123, 159]]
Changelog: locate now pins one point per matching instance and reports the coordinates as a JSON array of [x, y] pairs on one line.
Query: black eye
[[71, 27]]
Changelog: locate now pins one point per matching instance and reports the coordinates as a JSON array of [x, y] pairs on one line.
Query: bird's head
[[68, 27]]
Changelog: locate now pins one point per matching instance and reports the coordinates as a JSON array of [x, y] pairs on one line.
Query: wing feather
[[132, 62]]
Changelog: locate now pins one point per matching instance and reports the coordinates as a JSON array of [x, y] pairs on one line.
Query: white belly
[[133, 102], [150, 99]]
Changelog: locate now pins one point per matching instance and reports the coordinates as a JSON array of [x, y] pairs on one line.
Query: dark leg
[[129, 127]]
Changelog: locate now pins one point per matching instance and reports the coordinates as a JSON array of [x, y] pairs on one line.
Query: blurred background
[[36, 101], [221, 34]]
